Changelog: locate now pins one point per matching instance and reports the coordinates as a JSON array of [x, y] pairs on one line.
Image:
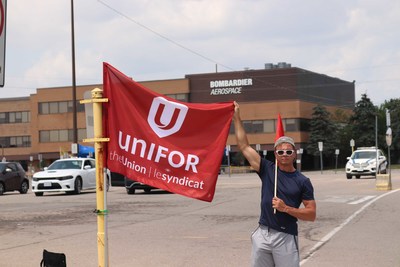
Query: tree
[[322, 129], [363, 122], [341, 120]]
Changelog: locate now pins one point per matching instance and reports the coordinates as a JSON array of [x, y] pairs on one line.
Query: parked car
[[13, 178], [117, 179], [66, 175], [132, 185], [362, 162]]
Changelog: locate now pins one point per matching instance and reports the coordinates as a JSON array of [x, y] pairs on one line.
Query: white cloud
[[351, 40]]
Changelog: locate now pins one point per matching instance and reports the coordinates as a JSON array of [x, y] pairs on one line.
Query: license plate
[[47, 184], [360, 170]]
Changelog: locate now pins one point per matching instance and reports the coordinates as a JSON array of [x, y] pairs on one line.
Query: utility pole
[[75, 119]]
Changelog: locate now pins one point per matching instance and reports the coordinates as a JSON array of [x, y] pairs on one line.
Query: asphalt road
[[356, 225]]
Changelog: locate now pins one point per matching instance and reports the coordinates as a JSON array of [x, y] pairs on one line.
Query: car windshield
[[66, 164], [364, 155]]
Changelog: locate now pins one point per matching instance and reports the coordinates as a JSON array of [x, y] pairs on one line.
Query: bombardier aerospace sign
[[162, 142], [228, 87]]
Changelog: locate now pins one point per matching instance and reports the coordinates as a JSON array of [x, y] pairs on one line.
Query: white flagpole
[[276, 180]]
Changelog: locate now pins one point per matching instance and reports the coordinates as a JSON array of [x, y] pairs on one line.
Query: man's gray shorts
[[274, 248]]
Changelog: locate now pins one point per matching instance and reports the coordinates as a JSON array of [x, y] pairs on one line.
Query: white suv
[[363, 162]]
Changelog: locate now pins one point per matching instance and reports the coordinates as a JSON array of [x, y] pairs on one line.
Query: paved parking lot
[[163, 229]]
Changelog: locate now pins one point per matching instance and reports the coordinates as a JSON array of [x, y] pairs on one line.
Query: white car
[[363, 162], [66, 175]]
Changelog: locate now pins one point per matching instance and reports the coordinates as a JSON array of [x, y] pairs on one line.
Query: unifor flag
[[159, 141]]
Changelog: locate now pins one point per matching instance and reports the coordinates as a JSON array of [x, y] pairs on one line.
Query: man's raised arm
[[243, 144]]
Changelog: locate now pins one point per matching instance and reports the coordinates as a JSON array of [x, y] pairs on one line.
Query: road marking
[[361, 200], [349, 199], [327, 237]]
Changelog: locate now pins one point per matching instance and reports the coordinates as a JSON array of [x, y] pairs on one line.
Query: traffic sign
[[389, 136], [320, 146]]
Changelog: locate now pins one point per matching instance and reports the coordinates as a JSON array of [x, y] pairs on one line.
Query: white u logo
[[166, 117]]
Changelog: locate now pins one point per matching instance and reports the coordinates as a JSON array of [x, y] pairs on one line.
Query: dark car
[[13, 177], [132, 185], [117, 179]]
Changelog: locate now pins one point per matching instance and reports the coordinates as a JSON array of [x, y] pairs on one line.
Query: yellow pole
[[102, 240]]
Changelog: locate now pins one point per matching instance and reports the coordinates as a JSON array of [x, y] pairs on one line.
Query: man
[[275, 241]]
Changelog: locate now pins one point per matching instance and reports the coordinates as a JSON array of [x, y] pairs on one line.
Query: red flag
[[279, 128], [162, 142]]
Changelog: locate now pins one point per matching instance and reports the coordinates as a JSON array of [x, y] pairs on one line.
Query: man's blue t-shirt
[[293, 188]]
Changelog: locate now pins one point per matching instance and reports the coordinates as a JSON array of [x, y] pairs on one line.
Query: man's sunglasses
[[282, 152]]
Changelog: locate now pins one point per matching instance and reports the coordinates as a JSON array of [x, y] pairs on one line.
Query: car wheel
[[358, 176], [147, 190], [38, 194], [78, 186], [349, 176], [130, 191], [24, 187], [1, 188]]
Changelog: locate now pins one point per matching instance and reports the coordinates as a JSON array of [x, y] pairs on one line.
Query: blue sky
[[155, 40]]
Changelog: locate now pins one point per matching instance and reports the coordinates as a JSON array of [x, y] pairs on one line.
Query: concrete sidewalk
[[370, 238]]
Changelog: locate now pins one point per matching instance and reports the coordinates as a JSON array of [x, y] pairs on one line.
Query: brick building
[[41, 126]]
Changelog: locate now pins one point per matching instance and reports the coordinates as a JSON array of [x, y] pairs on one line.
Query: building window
[[81, 134], [54, 136], [292, 125], [50, 136], [63, 135], [247, 125], [44, 136], [60, 107], [26, 116], [232, 128], [15, 141], [269, 126], [180, 97], [63, 107], [11, 117], [3, 117], [43, 108], [15, 117], [79, 107], [53, 107], [257, 126], [71, 107]]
